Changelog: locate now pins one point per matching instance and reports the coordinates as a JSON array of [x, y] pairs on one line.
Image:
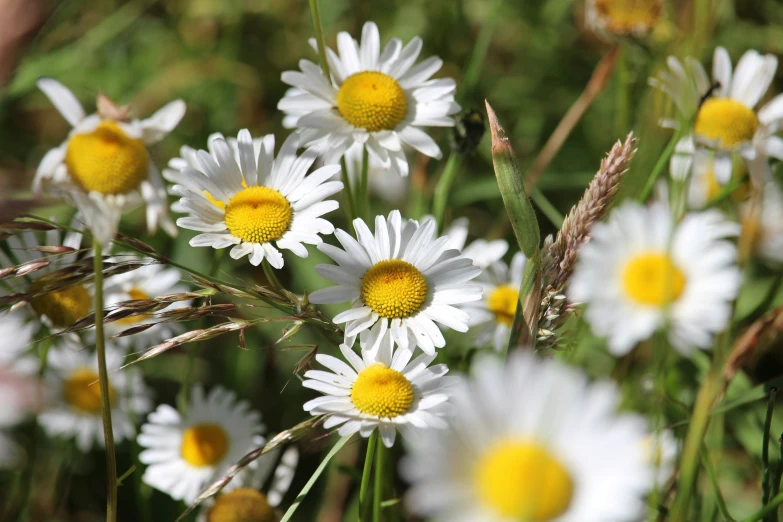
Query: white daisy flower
[[57, 309], [623, 17], [384, 391], [494, 314], [725, 119], [482, 252], [254, 502], [530, 440], [17, 332], [640, 270], [245, 197], [375, 98], [185, 453], [73, 405], [104, 165], [21, 396], [147, 282], [401, 279]]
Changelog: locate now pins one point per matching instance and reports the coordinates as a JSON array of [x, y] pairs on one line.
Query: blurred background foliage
[[224, 58]]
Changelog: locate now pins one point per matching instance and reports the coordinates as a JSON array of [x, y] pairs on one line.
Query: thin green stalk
[[348, 193], [480, 49], [766, 477], [659, 167], [315, 12], [364, 193], [366, 472], [689, 462], [442, 189], [103, 379], [547, 208], [770, 508], [724, 511], [377, 499], [271, 276], [776, 479]]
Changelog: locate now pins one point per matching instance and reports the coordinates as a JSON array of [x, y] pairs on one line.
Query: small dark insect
[[708, 94], [468, 131]]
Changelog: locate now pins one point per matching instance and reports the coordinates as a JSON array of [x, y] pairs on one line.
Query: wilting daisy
[[254, 502], [494, 314], [623, 17], [246, 198], [66, 302], [376, 98], [153, 280], [185, 453], [104, 165], [530, 440], [386, 391], [73, 406], [640, 270], [724, 115], [401, 279], [482, 252]]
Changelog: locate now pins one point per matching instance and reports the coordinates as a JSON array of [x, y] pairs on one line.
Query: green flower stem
[[724, 511], [315, 12], [442, 189], [689, 463], [366, 472], [377, 499], [103, 377], [659, 167], [350, 208], [546, 207], [769, 509], [363, 198]]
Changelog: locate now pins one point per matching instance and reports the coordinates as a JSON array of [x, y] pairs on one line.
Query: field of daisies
[[449, 261]]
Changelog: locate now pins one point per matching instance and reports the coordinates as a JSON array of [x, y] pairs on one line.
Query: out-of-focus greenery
[[224, 58]]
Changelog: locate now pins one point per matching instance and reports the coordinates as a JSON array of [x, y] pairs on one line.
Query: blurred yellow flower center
[[653, 279], [372, 100], [258, 215], [83, 393], [204, 444], [106, 160], [503, 303], [711, 185], [382, 392], [627, 16], [521, 480], [241, 505], [394, 288], [136, 294], [727, 121], [63, 307]]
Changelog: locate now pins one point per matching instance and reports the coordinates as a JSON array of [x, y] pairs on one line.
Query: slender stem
[[380, 450], [766, 478], [348, 193], [480, 49], [776, 479], [363, 198], [770, 508], [269, 272], [659, 166], [442, 189], [315, 12], [724, 511], [689, 462], [546, 207], [366, 472], [103, 376]]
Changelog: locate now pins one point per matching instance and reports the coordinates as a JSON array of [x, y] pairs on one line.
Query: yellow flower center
[[503, 303], [106, 160], [520, 480], [136, 294], [372, 100], [82, 391], [204, 444], [727, 121], [626, 16], [241, 505], [258, 215], [653, 279], [394, 288], [382, 392], [63, 307]]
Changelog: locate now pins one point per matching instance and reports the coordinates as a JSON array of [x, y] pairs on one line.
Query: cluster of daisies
[[530, 439]]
